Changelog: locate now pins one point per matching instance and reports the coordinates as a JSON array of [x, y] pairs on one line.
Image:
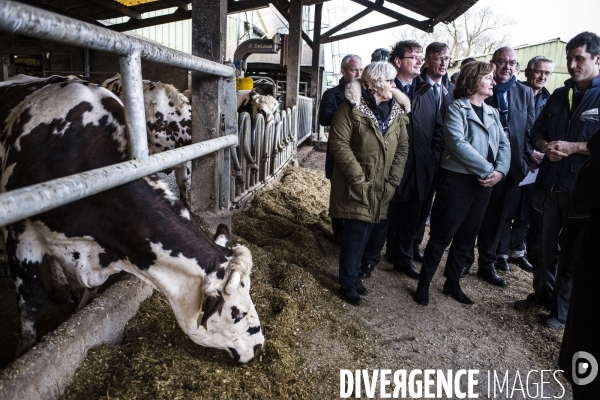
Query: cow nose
[[258, 349]]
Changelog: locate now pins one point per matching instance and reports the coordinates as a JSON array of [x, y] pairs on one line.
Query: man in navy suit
[[514, 102]]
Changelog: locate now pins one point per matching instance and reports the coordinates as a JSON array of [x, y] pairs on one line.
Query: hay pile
[[310, 332], [288, 232]]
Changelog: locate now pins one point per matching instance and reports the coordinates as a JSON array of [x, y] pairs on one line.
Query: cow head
[[228, 319]]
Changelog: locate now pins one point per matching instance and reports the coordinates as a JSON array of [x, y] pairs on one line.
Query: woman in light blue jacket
[[476, 157]]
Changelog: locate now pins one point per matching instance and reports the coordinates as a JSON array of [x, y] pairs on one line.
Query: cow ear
[[211, 305], [222, 235]]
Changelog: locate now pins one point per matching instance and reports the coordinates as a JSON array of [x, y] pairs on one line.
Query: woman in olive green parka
[[369, 143]]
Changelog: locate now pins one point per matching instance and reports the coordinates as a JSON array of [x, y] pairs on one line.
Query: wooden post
[[292, 84], [209, 194], [315, 72]]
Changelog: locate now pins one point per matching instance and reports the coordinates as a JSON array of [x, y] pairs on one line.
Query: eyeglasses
[[540, 72], [502, 63], [447, 60], [416, 58], [390, 81]]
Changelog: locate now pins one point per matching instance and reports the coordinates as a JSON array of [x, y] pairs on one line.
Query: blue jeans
[[354, 239]]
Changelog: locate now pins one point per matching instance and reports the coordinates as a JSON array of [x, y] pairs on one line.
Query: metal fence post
[[133, 100]]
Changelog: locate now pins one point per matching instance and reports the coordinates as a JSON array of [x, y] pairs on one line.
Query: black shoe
[[523, 305], [453, 289], [522, 262], [466, 271], [502, 265], [422, 295], [408, 268], [360, 289], [417, 255], [351, 295], [491, 276], [365, 270]]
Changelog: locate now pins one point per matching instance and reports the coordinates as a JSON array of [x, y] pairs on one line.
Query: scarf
[[499, 92], [381, 110]]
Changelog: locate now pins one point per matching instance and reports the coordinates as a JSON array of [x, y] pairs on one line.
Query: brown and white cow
[[168, 122], [55, 127]]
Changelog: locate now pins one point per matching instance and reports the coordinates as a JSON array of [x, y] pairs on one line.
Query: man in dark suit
[[437, 59], [426, 142], [514, 102]]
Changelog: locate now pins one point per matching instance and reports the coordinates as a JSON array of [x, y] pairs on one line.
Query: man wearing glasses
[[514, 239], [351, 68], [514, 102], [568, 121], [426, 143], [437, 60]]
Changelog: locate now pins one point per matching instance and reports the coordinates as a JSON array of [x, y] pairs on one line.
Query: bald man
[[514, 102]]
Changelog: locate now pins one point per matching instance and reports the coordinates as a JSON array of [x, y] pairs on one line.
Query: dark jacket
[[539, 100], [554, 123], [447, 91], [521, 116], [426, 142], [330, 102], [368, 164], [582, 330]]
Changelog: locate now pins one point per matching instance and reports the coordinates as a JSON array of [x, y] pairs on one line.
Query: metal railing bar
[[133, 102], [25, 202], [31, 21]]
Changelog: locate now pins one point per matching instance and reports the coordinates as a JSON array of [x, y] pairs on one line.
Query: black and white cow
[[168, 122], [254, 103], [55, 127]]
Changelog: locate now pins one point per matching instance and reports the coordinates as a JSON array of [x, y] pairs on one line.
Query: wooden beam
[[211, 114], [393, 14], [179, 3], [363, 31], [346, 23], [178, 15], [246, 5], [292, 84], [113, 5], [315, 70]]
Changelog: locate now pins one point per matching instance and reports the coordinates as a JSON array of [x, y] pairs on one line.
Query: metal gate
[[30, 21]]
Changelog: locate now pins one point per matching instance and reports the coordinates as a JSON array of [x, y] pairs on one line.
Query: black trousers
[[425, 211], [556, 224], [372, 252], [512, 242], [458, 209], [353, 242], [502, 195]]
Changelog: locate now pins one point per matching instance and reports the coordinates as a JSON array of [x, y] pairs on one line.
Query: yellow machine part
[[244, 83]]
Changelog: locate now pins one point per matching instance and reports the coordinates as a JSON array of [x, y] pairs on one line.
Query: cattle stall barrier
[[304, 118], [264, 150]]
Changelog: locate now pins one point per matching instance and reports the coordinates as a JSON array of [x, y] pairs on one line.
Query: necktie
[[407, 90], [436, 92]]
